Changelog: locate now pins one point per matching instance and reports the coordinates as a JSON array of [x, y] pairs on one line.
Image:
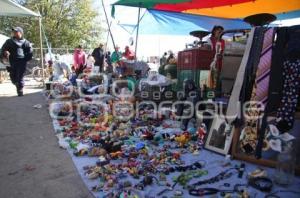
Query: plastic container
[[285, 168]]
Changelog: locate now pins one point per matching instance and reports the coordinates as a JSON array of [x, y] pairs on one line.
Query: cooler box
[[195, 59]]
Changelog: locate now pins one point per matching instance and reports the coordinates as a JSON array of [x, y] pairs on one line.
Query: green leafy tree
[[67, 23]]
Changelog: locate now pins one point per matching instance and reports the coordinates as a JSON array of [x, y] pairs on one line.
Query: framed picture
[[220, 136], [271, 147]]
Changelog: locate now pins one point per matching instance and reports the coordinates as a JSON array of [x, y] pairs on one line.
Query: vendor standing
[[218, 46], [98, 55], [18, 51]]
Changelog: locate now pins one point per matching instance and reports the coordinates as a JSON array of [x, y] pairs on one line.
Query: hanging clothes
[[251, 68], [250, 71], [259, 94], [291, 80], [285, 77], [276, 77], [290, 95]]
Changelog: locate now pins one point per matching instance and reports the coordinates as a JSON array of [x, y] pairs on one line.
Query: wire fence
[[61, 51]]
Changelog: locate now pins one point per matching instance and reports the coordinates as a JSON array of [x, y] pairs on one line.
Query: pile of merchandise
[[145, 155]]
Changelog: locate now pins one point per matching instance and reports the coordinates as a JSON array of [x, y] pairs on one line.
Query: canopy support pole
[[107, 38], [112, 38], [137, 32], [105, 48], [41, 48]]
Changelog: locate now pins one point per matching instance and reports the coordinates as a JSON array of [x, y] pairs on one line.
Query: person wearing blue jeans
[[18, 51]]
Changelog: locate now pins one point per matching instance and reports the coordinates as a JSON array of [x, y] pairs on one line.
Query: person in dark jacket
[[98, 55], [109, 68], [18, 51]]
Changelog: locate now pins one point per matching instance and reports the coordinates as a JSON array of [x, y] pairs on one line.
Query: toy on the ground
[[183, 139], [201, 132]]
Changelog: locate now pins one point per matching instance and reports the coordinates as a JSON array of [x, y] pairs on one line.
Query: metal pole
[[112, 38], [41, 46], [107, 38], [137, 32], [105, 49]]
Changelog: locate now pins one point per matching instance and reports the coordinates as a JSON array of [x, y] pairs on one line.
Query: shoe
[[20, 93]]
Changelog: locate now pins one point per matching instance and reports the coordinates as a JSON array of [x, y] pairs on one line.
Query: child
[[73, 77], [50, 70]]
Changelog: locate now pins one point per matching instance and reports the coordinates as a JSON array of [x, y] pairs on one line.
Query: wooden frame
[[251, 159]]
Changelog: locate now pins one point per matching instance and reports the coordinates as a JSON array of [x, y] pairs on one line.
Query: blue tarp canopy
[[173, 23]]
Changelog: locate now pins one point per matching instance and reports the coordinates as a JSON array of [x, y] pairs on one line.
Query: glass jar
[[285, 168]]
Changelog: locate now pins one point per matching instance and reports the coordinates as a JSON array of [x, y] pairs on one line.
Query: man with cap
[[18, 51], [98, 55]]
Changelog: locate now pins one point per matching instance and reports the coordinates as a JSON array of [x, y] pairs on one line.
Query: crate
[[195, 59]]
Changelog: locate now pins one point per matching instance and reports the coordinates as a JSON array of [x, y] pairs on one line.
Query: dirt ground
[[31, 163]]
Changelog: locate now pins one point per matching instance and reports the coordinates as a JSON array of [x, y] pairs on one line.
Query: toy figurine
[[201, 133], [192, 130], [147, 135], [133, 171], [183, 139], [116, 155], [176, 156], [110, 183], [140, 145], [96, 151]]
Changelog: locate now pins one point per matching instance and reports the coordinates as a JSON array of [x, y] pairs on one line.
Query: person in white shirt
[[90, 63]]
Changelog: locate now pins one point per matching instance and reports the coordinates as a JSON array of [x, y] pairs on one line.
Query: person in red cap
[[18, 51]]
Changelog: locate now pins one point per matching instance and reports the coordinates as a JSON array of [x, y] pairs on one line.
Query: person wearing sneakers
[[18, 51]]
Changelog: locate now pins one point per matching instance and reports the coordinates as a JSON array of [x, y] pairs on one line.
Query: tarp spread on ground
[[11, 8], [172, 23], [142, 156], [232, 9]]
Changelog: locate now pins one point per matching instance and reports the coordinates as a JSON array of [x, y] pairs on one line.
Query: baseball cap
[[17, 29]]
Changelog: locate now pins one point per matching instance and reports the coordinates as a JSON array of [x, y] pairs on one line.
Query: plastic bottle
[[285, 168]]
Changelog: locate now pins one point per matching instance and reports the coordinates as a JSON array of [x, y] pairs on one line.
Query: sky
[[148, 45]]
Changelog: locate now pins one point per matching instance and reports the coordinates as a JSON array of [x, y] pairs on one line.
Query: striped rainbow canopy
[[231, 9]]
